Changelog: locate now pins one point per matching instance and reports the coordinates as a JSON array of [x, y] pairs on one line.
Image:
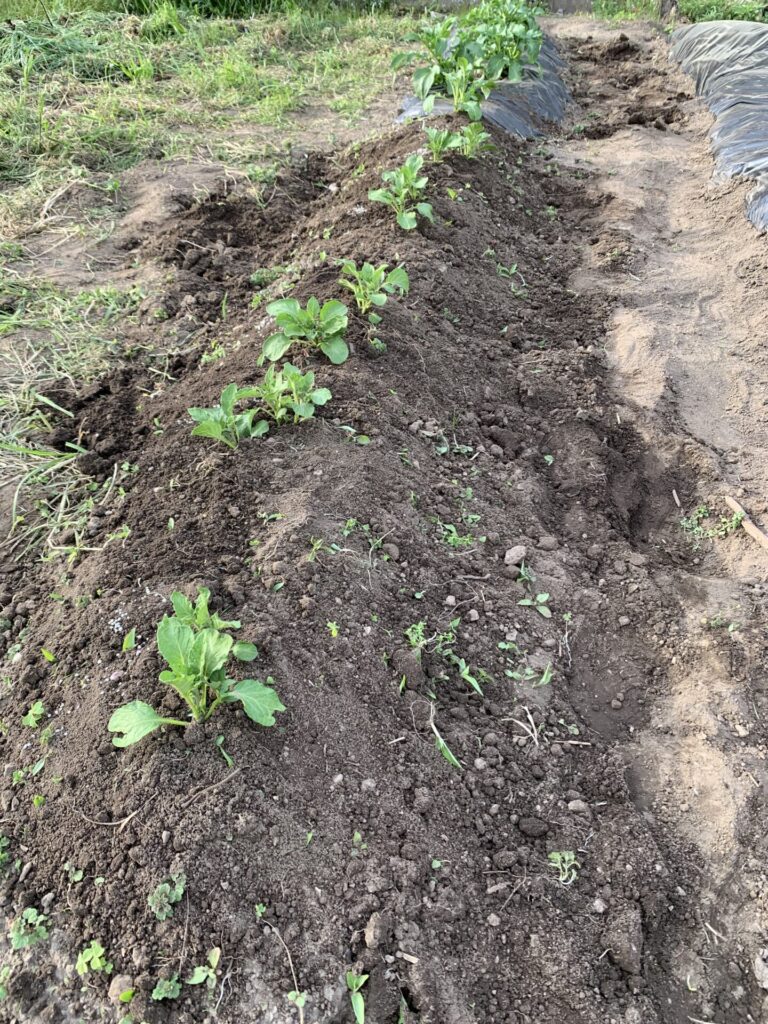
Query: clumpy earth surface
[[512, 469]]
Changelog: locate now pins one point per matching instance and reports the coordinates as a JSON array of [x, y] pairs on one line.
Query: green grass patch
[[722, 10], [94, 93]]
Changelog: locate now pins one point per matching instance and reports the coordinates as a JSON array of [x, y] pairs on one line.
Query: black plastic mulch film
[[521, 108], [728, 61]]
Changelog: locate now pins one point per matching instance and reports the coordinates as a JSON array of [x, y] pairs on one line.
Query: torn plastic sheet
[[728, 61], [521, 108]]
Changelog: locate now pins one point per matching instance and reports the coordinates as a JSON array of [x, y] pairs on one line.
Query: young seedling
[[162, 899], [28, 929], [196, 649], [354, 983], [316, 327], [167, 988], [34, 715], [565, 863], [205, 974], [539, 602], [222, 423], [406, 186], [288, 392], [440, 141], [371, 285], [92, 959], [474, 141]]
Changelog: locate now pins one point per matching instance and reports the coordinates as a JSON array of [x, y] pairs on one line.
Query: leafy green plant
[[92, 958], [222, 423], [167, 988], [539, 602], [406, 184], [193, 643], [693, 525], [440, 141], [205, 974], [474, 140], [371, 285], [288, 392], [162, 899], [565, 863], [316, 327], [28, 929], [354, 983], [34, 715], [129, 641]]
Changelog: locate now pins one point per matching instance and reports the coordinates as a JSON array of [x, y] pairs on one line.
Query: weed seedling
[[205, 974], [316, 327], [193, 643], [333, 629], [406, 185], [354, 983], [371, 285], [28, 929], [163, 898], [566, 865], [34, 715], [222, 423], [539, 602], [167, 988], [129, 641], [92, 959]]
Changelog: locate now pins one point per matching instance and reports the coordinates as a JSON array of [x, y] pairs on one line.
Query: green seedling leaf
[[245, 651], [132, 722], [129, 640], [169, 988], [34, 715], [48, 655], [260, 702]]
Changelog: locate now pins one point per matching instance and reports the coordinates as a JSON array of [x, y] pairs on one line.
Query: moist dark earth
[[341, 836]]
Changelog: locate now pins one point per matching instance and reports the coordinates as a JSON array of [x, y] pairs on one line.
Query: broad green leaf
[[209, 653], [426, 211], [398, 278], [202, 615], [320, 396], [210, 428], [204, 415], [282, 307], [228, 397], [174, 641], [135, 721], [302, 410], [129, 640], [335, 349], [423, 80], [276, 346], [407, 220], [245, 651], [260, 429], [379, 299], [260, 702], [379, 195], [214, 955], [183, 607]]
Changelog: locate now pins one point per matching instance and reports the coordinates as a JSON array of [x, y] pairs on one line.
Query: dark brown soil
[[367, 849]]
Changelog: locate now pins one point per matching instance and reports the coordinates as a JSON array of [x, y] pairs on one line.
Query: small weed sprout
[[371, 285], [539, 602], [566, 865], [167, 988], [693, 525], [354, 983], [316, 327], [30, 928], [32, 718], [406, 185], [162, 899], [205, 974], [92, 959], [196, 648]]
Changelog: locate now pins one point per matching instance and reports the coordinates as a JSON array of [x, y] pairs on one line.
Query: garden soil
[[576, 366]]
